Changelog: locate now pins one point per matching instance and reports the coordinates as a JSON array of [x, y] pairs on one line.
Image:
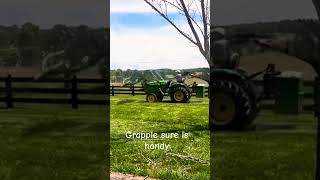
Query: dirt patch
[[119, 176]]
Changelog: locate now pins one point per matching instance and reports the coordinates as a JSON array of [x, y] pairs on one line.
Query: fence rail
[[138, 90], [71, 88]]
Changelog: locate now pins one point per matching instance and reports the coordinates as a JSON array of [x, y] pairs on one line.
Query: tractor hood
[[161, 82]]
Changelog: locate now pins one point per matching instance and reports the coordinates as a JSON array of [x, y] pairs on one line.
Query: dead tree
[[197, 15]]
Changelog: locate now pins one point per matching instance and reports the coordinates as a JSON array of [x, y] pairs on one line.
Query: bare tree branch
[[195, 34], [172, 23], [197, 20]]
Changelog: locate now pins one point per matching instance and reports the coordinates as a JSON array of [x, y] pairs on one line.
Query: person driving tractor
[[224, 56]]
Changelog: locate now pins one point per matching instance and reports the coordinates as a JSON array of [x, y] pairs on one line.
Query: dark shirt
[[221, 52]]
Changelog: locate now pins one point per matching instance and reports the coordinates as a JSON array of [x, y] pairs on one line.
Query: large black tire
[[180, 95], [152, 98], [232, 105], [255, 97]]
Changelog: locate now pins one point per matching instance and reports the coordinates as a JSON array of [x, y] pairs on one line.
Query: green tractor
[[156, 89], [178, 92], [235, 98]]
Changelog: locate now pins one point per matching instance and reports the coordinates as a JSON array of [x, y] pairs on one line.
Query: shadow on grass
[[126, 101]]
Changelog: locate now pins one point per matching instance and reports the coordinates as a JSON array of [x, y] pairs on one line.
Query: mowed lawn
[[53, 142], [186, 158], [282, 146]]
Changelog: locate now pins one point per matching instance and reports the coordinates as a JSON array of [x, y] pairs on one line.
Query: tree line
[[27, 45]]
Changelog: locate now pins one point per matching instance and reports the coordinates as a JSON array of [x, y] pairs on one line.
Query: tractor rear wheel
[[180, 95], [151, 98], [231, 106]]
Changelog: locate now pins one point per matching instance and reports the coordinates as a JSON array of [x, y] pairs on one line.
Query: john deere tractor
[[234, 97], [157, 89], [178, 92]]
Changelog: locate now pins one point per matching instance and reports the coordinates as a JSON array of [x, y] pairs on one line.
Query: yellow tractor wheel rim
[[223, 109], [151, 98], [178, 96]]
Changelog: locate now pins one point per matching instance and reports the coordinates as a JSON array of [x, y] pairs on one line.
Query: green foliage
[[134, 75], [28, 43]]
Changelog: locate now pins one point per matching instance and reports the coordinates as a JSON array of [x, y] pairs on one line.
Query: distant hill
[[257, 62], [284, 26]]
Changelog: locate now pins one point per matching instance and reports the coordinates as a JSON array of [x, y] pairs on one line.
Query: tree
[[197, 15]]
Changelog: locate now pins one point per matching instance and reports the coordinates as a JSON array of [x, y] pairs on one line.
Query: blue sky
[[141, 39], [138, 20]]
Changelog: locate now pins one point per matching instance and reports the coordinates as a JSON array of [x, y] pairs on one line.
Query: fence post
[[8, 91], [66, 81], [316, 97], [132, 90], [112, 90], [74, 93]]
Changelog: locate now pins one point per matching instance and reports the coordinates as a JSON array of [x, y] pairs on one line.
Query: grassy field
[[136, 115], [53, 142], [282, 146]]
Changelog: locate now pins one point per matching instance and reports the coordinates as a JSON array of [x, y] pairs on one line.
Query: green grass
[[56, 142], [136, 115], [282, 146], [53, 142]]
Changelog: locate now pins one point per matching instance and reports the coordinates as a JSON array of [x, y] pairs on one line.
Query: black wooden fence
[[266, 104], [134, 90], [138, 90], [71, 88]]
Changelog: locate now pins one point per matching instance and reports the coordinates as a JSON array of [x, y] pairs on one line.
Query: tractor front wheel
[[151, 98]]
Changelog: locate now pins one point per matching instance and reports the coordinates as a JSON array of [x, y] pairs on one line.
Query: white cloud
[[152, 49], [132, 6]]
